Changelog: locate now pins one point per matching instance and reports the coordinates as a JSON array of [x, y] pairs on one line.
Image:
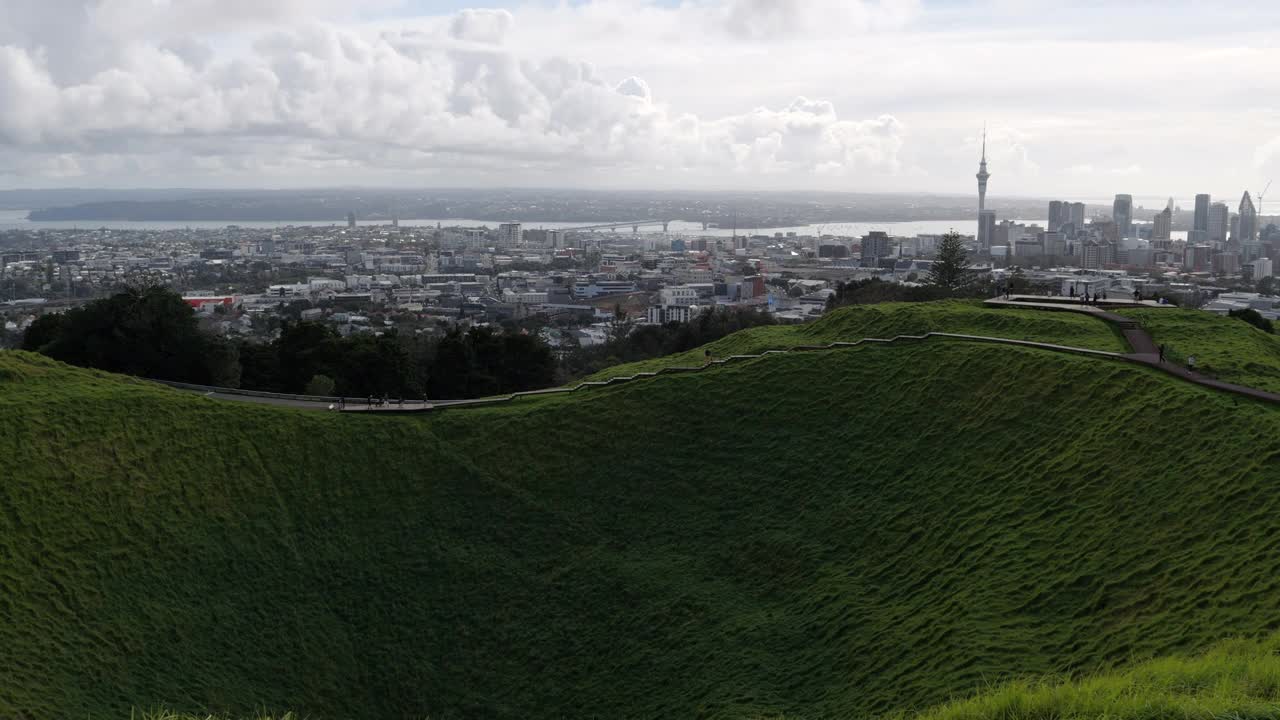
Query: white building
[[678, 295], [662, 314]]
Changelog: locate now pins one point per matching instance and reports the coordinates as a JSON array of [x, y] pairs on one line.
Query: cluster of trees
[[152, 332], [311, 358], [949, 276], [145, 331]]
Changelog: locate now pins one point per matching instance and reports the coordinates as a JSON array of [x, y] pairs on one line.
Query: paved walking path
[[1142, 347]]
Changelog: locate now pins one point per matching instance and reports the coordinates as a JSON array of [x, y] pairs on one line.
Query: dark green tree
[[1254, 318], [147, 331], [951, 266]]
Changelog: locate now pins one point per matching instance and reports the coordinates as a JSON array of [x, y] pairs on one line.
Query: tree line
[[152, 332]]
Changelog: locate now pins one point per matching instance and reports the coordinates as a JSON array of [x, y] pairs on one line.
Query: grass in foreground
[[1225, 348], [829, 534], [966, 317], [1238, 679]]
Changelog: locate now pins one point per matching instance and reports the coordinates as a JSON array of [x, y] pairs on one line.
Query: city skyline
[[722, 94]]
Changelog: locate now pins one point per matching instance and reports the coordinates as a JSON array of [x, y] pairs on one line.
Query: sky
[[1080, 99]]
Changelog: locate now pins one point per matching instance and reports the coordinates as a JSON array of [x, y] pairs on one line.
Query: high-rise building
[[1162, 226], [510, 234], [1262, 268], [1248, 219], [986, 228], [556, 238], [351, 219], [1201, 219], [983, 176], [1122, 214], [1077, 215], [1219, 219], [875, 245], [1059, 214]]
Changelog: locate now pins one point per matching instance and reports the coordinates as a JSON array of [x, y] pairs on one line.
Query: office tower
[[351, 219], [982, 176], [1122, 214], [986, 228], [1059, 215], [1201, 220], [1077, 215], [1219, 217], [1248, 220], [1162, 226]]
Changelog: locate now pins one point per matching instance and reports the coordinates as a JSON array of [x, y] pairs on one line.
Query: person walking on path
[[1161, 352], [1191, 363]]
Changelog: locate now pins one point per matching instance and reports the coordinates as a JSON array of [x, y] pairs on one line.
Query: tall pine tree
[[951, 266]]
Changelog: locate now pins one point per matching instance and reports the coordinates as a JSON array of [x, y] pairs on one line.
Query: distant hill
[[748, 210], [827, 534]]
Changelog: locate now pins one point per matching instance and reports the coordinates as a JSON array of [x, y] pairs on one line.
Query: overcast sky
[[1083, 100]]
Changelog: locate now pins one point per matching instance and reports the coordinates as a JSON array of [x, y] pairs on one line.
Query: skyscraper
[[1162, 227], [1122, 214], [351, 219], [1201, 220], [1059, 215], [983, 175], [1248, 219], [986, 228], [1219, 218], [1077, 215]]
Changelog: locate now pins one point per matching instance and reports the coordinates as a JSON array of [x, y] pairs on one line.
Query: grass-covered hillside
[[1237, 679], [1226, 348], [827, 534], [967, 317]]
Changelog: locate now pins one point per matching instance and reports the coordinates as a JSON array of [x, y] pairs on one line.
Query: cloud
[[456, 96], [483, 26], [1267, 153]]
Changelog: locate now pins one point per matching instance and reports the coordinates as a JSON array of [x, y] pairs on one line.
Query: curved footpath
[[1144, 352], [1142, 347]]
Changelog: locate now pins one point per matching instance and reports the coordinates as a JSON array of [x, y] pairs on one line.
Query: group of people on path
[[1087, 299], [370, 403]]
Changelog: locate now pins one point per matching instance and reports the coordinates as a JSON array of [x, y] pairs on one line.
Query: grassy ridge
[[827, 534], [1226, 348], [1237, 679], [892, 319]]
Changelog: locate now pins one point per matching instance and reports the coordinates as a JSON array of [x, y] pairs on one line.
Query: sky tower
[[982, 192]]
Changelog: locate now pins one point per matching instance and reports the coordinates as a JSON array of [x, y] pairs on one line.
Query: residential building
[[1162, 226], [1262, 268], [875, 245], [510, 235]]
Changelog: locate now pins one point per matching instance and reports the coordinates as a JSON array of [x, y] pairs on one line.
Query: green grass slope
[[824, 534], [965, 317], [1225, 348], [1238, 679]]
